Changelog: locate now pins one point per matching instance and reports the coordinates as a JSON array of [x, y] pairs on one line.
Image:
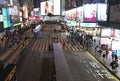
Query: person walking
[[64, 44], [49, 47], [113, 55], [116, 57], [107, 52], [114, 65]]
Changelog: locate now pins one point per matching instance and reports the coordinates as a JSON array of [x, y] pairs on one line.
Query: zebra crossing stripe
[[34, 45], [46, 44], [40, 44], [37, 45], [43, 44], [76, 48]]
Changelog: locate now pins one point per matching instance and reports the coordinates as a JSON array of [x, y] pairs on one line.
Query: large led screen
[[114, 15], [46, 7], [51, 6], [71, 14], [90, 12], [79, 14], [6, 17], [1, 16], [56, 7], [102, 16]]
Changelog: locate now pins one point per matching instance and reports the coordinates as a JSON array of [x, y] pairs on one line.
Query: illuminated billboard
[[56, 7], [75, 14], [51, 6], [71, 14], [1, 16], [90, 12], [6, 17], [79, 14], [102, 14]]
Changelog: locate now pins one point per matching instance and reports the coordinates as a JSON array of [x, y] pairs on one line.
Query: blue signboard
[[6, 17]]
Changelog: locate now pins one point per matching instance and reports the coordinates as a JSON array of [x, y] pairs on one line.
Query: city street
[[84, 67], [38, 64]]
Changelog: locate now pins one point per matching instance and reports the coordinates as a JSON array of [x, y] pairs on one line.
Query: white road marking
[[107, 74], [80, 60], [98, 73], [88, 71], [94, 75], [86, 65], [94, 65], [84, 61]]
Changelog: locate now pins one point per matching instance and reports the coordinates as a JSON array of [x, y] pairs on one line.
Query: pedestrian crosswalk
[[42, 44], [67, 45]]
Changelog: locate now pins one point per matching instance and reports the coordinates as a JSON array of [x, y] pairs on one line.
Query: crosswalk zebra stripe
[[40, 44], [43, 45], [34, 45], [46, 48], [37, 46]]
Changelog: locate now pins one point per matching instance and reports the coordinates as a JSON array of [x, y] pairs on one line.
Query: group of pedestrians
[[12, 37], [102, 51]]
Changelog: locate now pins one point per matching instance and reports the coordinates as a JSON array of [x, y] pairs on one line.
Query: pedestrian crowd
[[103, 52], [12, 36]]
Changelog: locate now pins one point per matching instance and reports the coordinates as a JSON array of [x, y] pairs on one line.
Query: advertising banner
[[1, 16], [51, 6], [90, 12], [102, 12], [6, 17]]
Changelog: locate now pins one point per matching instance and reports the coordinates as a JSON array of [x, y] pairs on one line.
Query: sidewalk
[[106, 62]]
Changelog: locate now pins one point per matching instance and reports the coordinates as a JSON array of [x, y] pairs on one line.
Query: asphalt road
[[84, 67], [37, 63]]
